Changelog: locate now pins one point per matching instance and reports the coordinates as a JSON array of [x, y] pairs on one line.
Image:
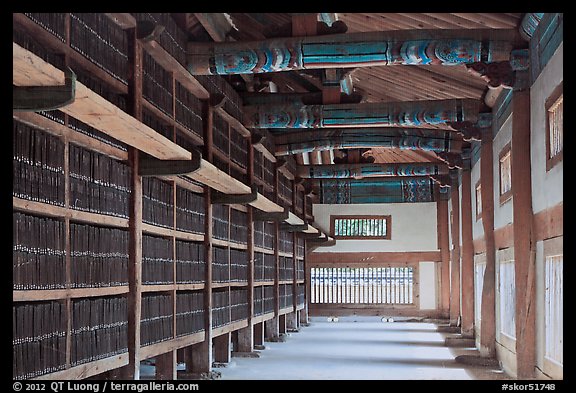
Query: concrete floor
[[359, 348]]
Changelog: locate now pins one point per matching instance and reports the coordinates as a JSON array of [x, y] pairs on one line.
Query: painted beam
[[350, 138], [415, 47], [343, 171], [314, 98], [529, 23], [400, 114], [396, 190]]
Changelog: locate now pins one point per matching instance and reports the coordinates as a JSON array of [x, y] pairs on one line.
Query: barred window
[[505, 174], [362, 285], [554, 311], [507, 299], [478, 201], [360, 227], [555, 127]]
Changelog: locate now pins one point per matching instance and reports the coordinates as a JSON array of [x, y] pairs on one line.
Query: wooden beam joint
[[45, 98], [222, 198], [271, 216], [151, 166]]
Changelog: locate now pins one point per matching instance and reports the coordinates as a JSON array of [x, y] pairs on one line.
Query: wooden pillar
[[282, 324], [222, 348], [524, 247], [443, 245], [488, 310], [200, 355], [455, 254], [292, 321], [166, 366], [259, 334], [467, 266], [132, 370], [272, 329]]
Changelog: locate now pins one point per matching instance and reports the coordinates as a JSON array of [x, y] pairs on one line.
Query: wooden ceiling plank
[[429, 20]]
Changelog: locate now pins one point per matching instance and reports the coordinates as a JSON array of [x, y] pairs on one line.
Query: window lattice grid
[[505, 173], [554, 310], [365, 285], [479, 269], [360, 227], [556, 126]]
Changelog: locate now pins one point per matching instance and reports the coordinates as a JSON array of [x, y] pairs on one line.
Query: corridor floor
[[359, 348]]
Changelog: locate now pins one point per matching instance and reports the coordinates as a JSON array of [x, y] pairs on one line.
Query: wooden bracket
[[257, 139], [148, 31], [45, 98], [496, 74], [217, 100], [443, 181], [150, 166], [271, 216], [221, 198], [453, 160], [293, 228]]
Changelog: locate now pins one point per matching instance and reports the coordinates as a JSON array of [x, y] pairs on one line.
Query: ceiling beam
[[402, 113], [359, 171], [386, 137], [413, 47]]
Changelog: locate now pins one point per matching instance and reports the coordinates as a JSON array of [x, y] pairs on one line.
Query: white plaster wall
[[547, 187], [413, 226], [502, 213], [428, 285]]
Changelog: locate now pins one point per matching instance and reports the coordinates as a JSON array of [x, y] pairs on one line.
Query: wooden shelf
[[208, 174], [88, 369], [220, 284], [264, 250], [263, 283], [195, 139], [238, 284], [299, 307], [162, 57], [152, 350], [157, 287], [285, 254], [266, 205], [263, 317], [169, 232], [285, 310], [72, 293], [229, 328], [94, 110], [45, 209], [286, 282], [190, 287], [228, 243], [233, 122], [300, 281], [36, 120], [223, 157]]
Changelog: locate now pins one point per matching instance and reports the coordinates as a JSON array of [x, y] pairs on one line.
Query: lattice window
[[360, 227], [478, 201], [507, 298], [505, 174], [554, 311], [555, 127], [364, 285]]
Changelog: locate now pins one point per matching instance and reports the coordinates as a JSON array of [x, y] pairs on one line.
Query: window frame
[[552, 100], [505, 196], [387, 218], [476, 189]]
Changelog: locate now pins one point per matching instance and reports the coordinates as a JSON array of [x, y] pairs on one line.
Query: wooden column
[[246, 335], [488, 310], [467, 266], [222, 348], [524, 245], [132, 370], [200, 355], [272, 329], [455, 253], [282, 324], [444, 246], [258, 335], [166, 366]]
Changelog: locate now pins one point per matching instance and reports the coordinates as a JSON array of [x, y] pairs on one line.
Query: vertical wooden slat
[[455, 255], [443, 245]]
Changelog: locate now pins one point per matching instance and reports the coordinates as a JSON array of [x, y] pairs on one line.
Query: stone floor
[[360, 348]]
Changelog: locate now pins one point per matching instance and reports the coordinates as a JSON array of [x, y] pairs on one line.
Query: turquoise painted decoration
[[529, 24], [343, 50], [357, 171], [341, 191], [404, 114], [409, 139]]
